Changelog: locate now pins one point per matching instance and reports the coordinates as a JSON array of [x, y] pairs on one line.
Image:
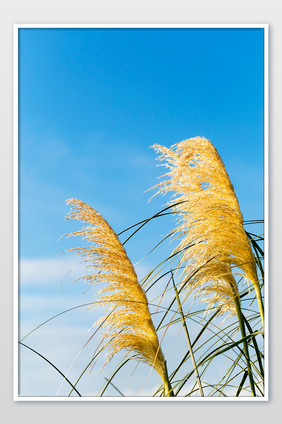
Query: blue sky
[[91, 103]]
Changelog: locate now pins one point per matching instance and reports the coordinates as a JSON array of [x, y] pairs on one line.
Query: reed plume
[[127, 323], [213, 243]]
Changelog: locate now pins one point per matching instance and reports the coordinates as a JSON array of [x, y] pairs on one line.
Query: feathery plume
[[127, 324], [213, 239]]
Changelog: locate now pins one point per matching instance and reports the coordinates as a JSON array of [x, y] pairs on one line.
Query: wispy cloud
[[42, 271]]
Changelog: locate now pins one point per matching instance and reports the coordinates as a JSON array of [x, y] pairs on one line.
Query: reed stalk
[[245, 343], [214, 243], [188, 338]]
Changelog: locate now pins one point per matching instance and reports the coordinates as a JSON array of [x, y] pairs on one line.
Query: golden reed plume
[[213, 240], [127, 324]]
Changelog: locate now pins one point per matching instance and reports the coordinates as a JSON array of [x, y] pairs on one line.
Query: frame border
[[16, 28]]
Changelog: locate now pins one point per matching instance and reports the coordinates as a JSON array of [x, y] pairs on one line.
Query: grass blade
[[187, 337], [57, 369]]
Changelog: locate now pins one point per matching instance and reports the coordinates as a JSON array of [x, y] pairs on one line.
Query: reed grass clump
[[127, 323], [214, 254], [213, 243], [214, 246]]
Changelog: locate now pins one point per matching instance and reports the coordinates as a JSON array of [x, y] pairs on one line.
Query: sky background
[[91, 103]]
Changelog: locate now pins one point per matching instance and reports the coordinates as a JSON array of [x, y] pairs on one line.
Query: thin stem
[[260, 302], [167, 385], [115, 387], [258, 353], [256, 283], [245, 343], [188, 338], [57, 369]]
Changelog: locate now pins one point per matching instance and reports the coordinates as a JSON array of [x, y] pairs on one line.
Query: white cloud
[[42, 271]]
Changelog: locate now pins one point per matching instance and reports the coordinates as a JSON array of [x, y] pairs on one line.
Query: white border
[[132, 25], [266, 206], [16, 397], [15, 217]]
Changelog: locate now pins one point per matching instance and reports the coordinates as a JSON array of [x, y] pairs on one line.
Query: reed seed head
[[127, 324], [213, 243]]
